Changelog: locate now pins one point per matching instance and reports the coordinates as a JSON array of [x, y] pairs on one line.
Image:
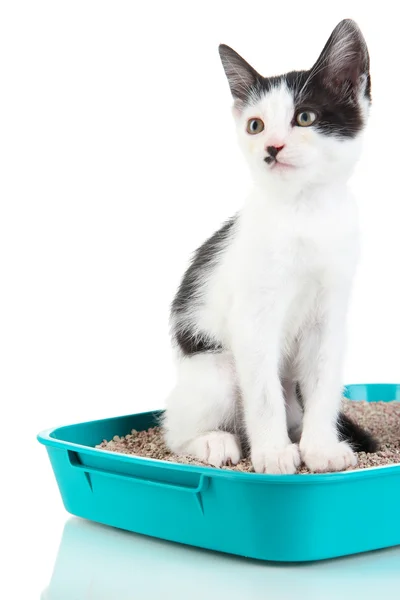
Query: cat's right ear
[[241, 76]]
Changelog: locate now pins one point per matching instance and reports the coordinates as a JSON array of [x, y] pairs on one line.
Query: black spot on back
[[190, 290], [193, 344], [204, 258]]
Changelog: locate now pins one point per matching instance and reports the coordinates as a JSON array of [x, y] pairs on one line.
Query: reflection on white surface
[[95, 562]]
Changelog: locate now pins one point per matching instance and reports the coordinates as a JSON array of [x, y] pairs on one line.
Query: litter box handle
[[76, 463]]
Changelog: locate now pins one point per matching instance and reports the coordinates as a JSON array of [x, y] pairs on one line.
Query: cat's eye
[[305, 118], [254, 126]]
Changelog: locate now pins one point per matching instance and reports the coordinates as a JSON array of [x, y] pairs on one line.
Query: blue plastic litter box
[[268, 517]]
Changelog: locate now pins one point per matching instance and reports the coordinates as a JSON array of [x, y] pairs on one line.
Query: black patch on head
[[330, 88], [337, 113], [190, 289]]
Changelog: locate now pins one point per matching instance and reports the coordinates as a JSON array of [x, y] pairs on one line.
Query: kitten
[[261, 310]]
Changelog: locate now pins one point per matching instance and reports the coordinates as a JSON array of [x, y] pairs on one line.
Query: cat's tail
[[359, 439]]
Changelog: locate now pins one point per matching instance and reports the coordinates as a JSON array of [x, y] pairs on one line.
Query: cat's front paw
[[276, 461], [216, 448], [322, 458]]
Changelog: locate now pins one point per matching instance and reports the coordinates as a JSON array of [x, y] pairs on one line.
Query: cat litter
[[382, 419]]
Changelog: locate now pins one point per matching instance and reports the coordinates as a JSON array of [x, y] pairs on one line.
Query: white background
[[118, 158]]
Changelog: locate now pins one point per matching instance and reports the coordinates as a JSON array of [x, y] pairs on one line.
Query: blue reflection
[[95, 562]]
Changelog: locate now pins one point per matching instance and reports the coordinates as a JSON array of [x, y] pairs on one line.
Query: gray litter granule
[[382, 419]]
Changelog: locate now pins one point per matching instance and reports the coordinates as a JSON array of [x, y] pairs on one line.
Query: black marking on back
[[194, 344], [204, 258], [189, 291]]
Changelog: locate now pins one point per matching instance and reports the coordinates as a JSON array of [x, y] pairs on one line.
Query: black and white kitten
[[261, 311]]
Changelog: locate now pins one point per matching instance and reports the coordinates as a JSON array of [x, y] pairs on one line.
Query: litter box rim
[[371, 392]]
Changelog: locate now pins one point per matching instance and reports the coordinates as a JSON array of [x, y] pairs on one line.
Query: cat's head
[[304, 127]]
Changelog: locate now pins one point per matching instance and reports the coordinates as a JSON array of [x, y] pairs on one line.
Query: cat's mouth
[[279, 165]]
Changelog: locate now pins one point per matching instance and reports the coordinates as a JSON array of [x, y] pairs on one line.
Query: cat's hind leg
[[294, 410], [201, 410]]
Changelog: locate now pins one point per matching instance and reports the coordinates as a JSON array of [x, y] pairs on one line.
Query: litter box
[[289, 518]]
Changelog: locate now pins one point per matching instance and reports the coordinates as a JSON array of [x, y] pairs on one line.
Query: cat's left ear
[[344, 60]]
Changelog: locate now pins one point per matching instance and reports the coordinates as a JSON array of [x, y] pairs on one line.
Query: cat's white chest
[[327, 243], [287, 257]]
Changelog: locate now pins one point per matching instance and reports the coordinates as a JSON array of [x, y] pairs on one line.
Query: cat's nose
[[273, 150]]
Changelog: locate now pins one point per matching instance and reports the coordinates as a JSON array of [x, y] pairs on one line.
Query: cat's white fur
[[277, 301]]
